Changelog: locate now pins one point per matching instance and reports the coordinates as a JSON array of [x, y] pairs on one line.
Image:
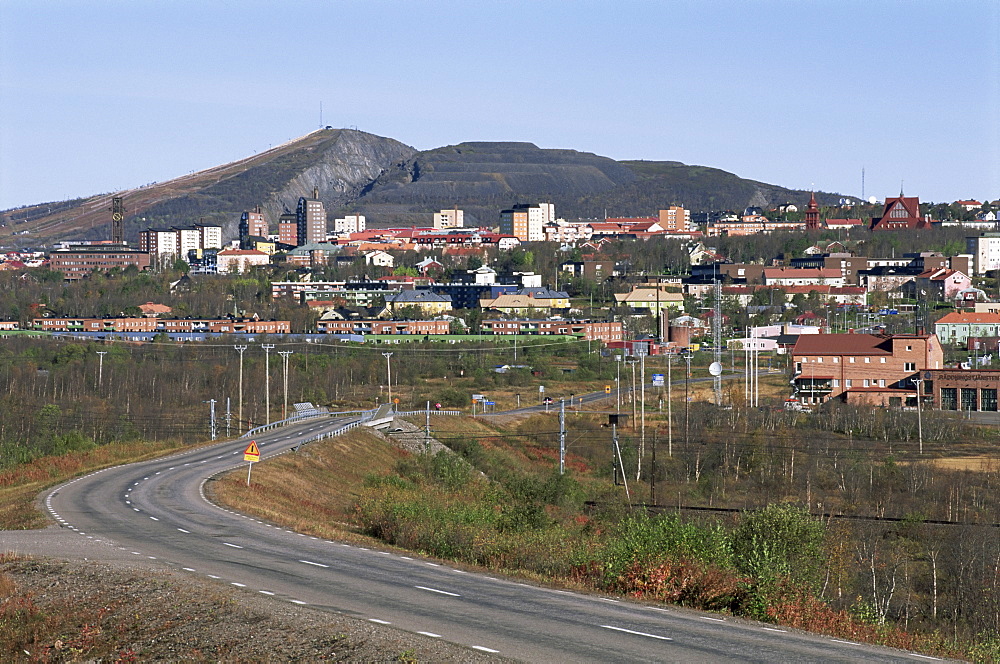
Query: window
[[881, 382], [851, 360], [909, 348], [836, 382], [881, 360], [819, 360], [867, 383], [836, 360], [909, 366], [868, 360]]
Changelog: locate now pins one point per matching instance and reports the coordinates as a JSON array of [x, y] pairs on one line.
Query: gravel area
[[116, 611]]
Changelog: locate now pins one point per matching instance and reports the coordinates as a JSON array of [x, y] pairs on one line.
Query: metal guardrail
[[407, 413], [303, 416], [364, 416]]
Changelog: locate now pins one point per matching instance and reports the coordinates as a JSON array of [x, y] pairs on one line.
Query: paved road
[[157, 510]]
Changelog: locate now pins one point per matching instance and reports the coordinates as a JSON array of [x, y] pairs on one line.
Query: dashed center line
[[309, 562], [184, 531], [265, 592], [430, 634], [235, 546], [239, 585], [632, 631], [435, 590]]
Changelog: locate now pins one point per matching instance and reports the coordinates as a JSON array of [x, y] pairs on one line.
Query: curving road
[[157, 509]]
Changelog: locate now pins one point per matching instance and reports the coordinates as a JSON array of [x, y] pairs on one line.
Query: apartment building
[[178, 241], [587, 330], [252, 224], [352, 223], [310, 220], [868, 369], [454, 218], [676, 219], [525, 222]]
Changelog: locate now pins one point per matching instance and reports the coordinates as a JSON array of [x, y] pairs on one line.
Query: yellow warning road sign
[[251, 453]]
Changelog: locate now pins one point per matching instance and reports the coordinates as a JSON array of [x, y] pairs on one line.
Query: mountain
[[338, 162], [393, 184]]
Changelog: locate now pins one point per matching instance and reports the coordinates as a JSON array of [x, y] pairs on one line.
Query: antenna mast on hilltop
[[863, 184], [321, 115]]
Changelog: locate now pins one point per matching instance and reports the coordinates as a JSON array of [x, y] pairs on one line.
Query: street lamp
[[920, 428], [267, 381], [240, 350], [388, 373], [284, 357], [687, 400]]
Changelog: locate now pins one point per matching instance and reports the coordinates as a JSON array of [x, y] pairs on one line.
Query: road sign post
[[251, 454]]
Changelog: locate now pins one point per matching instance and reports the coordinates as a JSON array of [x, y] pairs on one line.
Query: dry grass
[[980, 463], [313, 491], [20, 486]]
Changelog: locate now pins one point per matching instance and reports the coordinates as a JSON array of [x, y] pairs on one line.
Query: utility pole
[[618, 380], [211, 417], [687, 402], [562, 435], [284, 358], [670, 407], [427, 429], [228, 417], [267, 381], [240, 349], [642, 434], [388, 375], [920, 428]]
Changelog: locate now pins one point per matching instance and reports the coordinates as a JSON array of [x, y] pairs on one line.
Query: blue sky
[[100, 96]]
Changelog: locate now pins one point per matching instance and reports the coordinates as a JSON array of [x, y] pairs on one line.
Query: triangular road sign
[[251, 453]]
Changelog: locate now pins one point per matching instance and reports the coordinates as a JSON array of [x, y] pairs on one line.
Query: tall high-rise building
[[252, 224], [525, 221], [310, 217]]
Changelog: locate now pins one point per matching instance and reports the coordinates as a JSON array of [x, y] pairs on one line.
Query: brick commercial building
[[78, 262], [876, 369]]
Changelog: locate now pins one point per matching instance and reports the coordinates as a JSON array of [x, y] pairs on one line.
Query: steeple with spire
[[812, 214]]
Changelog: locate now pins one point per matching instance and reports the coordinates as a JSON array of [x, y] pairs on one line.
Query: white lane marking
[[265, 592], [235, 546], [385, 553], [916, 654], [212, 576], [187, 569], [607, 599], [632, 631], [430, 634], [136, 553], [713, 619], [135, 509], [850, 643], [435, 590], [184, 531], [150, 557], [459, 571], [239, 585], [484, 649], [309, 562], [295, 601], [775, 629], [154, 518], [380, 622], [128, 502], [158, 472], [405, 558], [432, 564]]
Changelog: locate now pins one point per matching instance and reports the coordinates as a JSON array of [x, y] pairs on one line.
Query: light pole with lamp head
[[388, 374], [284, 357], [267, 381], [920, 428]]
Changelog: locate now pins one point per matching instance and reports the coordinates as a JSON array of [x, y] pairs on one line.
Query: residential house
[[429, 302], [956, 327], [650, 300]]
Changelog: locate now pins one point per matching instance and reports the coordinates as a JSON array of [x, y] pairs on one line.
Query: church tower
[[812, 214]]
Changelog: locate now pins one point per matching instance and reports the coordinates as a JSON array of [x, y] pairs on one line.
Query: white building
[[985, 250], [454, 218], [379, 259], [526, 222], [352, 223], [177, 241], [231, 261]]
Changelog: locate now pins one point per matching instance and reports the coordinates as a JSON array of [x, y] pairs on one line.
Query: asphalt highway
[[158, 510]]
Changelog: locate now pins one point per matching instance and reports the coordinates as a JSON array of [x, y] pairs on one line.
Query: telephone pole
[[267, 382]]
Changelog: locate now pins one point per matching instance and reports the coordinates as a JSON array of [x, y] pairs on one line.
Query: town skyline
[[802, 96]]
